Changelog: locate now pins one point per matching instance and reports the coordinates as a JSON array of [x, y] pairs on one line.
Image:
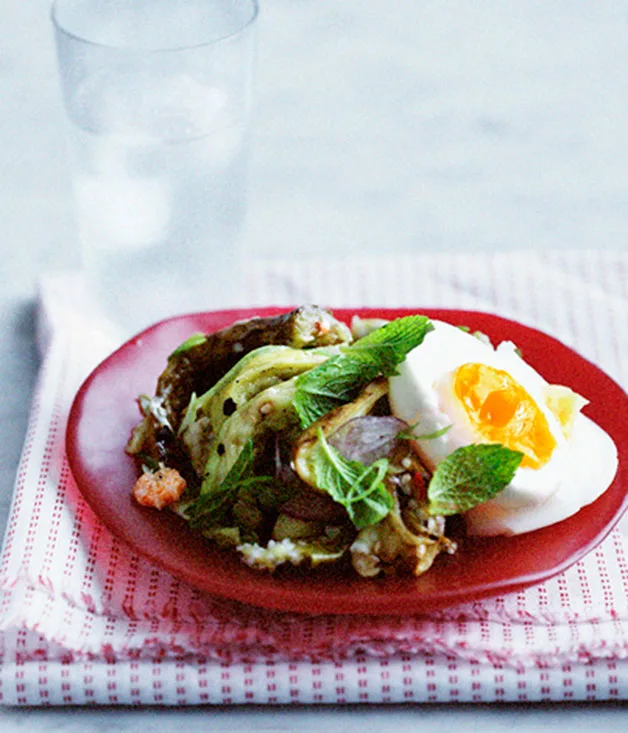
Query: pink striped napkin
[[85, 620]]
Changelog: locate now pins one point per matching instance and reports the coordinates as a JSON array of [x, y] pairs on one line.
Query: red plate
[[105, 411]]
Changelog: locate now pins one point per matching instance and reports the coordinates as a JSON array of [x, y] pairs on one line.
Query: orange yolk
[[501, 411]]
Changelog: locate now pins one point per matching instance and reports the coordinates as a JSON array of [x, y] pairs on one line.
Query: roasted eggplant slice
[[196, 368]]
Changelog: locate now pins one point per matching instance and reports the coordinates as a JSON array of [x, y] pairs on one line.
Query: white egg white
[[590, 471], [581, 467]]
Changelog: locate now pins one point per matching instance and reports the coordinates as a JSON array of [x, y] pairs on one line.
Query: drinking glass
[[158, 99]]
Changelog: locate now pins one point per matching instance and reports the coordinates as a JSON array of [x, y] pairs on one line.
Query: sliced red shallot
[[366, 439]]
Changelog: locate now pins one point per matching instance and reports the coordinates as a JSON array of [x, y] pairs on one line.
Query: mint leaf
[[471, 475], [339, 379], [358, 488], [335, 382], [394, 339], [214, 505]]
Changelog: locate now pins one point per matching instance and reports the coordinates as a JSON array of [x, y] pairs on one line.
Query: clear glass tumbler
[[158, 98]]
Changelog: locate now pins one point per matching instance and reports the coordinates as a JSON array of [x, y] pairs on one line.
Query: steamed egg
[[455, 389]]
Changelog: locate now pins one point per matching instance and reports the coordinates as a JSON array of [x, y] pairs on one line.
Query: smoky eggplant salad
[[298, 439]]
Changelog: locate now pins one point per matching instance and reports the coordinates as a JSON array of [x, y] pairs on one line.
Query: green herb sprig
[[358, 488], [212, 507], [339, 379], [471, 475], [196, 339]]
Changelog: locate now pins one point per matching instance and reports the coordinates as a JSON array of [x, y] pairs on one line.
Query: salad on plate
[[298, 439]]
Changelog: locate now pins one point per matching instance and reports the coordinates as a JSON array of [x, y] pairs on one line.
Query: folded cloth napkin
[[83, 619]]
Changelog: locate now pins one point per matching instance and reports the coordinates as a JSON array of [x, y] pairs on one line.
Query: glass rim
[[60, 28]]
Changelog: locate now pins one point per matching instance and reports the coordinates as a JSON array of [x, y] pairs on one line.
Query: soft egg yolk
[[501, 411]]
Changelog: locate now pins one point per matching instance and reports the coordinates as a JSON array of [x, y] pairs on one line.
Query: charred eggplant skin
[[198, 368]]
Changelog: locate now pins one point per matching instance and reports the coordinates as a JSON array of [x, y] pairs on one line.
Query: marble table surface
[[379, 126]]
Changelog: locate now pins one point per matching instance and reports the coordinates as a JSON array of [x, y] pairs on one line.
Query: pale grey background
[[380, 126]]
